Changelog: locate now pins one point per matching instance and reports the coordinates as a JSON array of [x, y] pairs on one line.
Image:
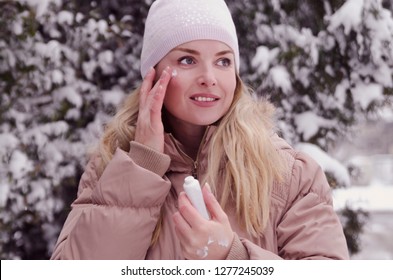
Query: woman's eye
[[224, 62], [186, 60]]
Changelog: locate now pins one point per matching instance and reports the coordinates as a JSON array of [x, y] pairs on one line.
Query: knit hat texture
[[171, 23]]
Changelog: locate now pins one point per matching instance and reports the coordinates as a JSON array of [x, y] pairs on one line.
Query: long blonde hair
[[250, 163], [242, 160]]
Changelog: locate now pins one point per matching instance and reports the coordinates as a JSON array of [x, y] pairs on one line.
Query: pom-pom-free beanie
[[171, 23]]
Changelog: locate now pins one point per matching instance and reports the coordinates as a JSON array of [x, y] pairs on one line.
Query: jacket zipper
[[195, 163]]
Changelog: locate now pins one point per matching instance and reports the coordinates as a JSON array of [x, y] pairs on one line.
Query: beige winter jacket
[[114, 216]]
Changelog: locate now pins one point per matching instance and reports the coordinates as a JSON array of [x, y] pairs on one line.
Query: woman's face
[[203, 81]]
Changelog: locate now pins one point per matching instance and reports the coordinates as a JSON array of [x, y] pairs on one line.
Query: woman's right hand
[[149, 127]]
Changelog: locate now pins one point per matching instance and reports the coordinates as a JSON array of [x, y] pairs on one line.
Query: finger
[[184, 240], [188, 211], [162, 80], [206, 185], [212, 205], [146, 86], [159, 90], [183, 229]]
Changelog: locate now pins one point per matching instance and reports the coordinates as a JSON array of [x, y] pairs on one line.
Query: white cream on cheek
[[174, 73]]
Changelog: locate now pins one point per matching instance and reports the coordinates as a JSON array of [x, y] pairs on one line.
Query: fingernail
[[207, 186], [182, 194], [150, 71]]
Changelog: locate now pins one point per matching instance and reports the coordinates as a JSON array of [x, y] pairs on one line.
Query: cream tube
[[194, 192]]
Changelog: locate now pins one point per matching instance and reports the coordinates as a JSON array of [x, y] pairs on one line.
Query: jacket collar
[[180, 161]]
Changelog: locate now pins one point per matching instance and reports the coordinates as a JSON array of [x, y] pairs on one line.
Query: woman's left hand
[[201, 238]]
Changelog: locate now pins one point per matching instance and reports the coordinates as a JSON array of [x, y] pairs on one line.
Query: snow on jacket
[[114, 216]]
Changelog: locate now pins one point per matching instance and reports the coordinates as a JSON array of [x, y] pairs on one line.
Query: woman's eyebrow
[[195, 52], [191, 51], [224, 52]]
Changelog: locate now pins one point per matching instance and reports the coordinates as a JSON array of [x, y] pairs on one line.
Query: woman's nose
[[207, 77]]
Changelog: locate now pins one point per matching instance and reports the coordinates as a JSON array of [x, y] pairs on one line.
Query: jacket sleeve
[[243, 249], [114, 216], [309, 227]]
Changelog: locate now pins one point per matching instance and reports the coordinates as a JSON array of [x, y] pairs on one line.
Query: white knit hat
[[171, 23]]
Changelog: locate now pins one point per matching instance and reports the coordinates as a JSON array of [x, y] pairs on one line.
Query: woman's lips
[[204, 100]]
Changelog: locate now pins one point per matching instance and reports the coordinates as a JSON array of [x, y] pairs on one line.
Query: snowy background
[[372, 189], [65, 66]]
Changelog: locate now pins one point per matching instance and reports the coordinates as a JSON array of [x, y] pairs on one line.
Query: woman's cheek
[[174, 73], [175, 82]]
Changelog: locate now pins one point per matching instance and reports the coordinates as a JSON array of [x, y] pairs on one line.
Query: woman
[[192, 115]]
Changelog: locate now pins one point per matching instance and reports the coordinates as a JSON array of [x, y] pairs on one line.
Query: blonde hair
[[242, 160], [250, 163]]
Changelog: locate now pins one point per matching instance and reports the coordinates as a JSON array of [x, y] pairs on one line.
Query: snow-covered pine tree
[[62, 73]]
